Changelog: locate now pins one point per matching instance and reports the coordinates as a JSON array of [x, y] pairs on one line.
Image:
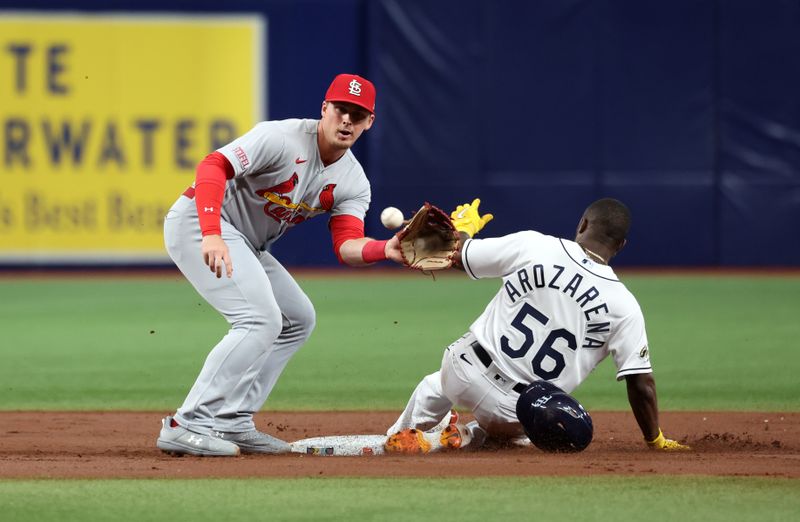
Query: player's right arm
[[497, 256], [248, 154], [211, 176], [457, 262]]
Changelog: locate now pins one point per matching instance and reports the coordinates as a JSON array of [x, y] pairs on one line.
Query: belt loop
[[481, 353]]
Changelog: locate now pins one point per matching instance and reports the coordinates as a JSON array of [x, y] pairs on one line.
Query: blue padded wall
[[759, 148], [687, 110]]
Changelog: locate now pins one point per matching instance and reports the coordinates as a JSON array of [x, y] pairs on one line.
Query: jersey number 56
[[546, 350]]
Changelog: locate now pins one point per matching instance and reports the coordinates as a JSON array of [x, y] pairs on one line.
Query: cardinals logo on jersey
[[326, 197], [281, 208], [282, 188]]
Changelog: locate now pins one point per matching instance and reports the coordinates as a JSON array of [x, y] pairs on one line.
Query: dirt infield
[[122, 444]]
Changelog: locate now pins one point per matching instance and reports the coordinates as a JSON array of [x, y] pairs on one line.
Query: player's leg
[[297, 322], [426, 408], [469, 384], [246, 300], [426, 424], [419, 427], [429, 403]]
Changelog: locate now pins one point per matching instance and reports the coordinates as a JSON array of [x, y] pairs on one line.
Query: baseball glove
[[429, 240]]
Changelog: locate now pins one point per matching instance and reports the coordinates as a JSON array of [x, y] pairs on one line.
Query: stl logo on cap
[[352, 88], [355, 88]]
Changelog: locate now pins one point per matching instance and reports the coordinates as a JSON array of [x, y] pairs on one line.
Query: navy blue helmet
[[553, 419]]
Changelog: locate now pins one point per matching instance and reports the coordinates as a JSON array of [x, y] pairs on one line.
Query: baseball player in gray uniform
[[560, 311], [246, 195]]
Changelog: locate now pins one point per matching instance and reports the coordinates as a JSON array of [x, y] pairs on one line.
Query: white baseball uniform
[[555, 317], [279, 182]]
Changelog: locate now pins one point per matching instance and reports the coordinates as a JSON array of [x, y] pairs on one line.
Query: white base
[[341, 445]]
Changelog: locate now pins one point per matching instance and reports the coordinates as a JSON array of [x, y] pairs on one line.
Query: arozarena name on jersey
[[111, 142], [535, 277]]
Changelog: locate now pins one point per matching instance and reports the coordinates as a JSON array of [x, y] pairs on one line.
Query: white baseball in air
[[392, 218]]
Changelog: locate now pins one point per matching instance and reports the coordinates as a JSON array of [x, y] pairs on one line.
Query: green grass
[[717, 342], [483, 499]]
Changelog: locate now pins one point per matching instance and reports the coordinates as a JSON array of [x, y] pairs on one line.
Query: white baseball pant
[[465, 382]]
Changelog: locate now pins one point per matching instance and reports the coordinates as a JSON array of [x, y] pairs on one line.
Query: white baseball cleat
[[176, 439], [254, 441]]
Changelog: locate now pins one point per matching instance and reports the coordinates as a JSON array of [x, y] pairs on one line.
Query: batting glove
[[467, 219], [663, 443]]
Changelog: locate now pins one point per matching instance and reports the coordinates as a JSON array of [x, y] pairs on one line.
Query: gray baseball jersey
[[557, 314], [280, 181]]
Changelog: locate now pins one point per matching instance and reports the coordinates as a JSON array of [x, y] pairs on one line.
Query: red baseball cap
[[354, 89]]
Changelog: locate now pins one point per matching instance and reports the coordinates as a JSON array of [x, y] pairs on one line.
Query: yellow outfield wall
[[104, 119]]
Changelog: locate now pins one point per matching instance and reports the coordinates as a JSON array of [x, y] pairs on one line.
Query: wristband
[[374, 251]]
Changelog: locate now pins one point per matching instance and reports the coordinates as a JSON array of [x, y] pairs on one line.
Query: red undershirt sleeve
[[343, 228], [212, 173]]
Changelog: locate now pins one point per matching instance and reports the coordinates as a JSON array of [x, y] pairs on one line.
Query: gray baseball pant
[[270, 319]]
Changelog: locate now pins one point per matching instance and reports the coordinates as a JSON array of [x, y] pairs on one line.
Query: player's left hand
[[466, 218], [665, 444], [392, 250]]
